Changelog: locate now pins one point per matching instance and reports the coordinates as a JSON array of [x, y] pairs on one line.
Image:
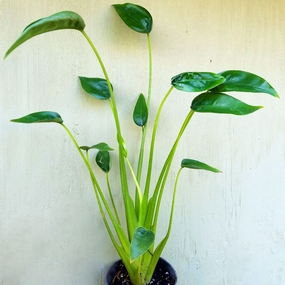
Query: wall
[[228, 228]]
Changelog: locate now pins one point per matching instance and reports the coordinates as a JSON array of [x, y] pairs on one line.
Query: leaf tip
[[6, 54]]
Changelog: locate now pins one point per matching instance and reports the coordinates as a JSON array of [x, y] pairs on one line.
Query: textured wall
[[228, 228]]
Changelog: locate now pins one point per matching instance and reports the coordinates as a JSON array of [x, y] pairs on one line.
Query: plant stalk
[[157, 196], [144, 128], [150, 162], [129, 207]]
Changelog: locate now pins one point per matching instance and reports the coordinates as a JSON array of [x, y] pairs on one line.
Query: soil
[[160, 276]]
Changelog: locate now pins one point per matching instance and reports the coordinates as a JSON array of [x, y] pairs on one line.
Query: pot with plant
[[140, 253]]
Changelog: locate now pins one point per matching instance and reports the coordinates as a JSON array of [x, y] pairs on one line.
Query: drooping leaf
[[140, 113], [100, 146], [58, 21], [141, 242], [243, 81], [135, 17], [196, 81], [103, 160], [210, 102], [40, 117], [195, 164], [96, 87]]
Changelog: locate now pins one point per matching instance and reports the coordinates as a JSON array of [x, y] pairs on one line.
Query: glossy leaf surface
[[135, 17], [221, 103], [58, 21], [195, 164], [242, 81], [103, 160], [196, 81], [141, 242], [40, 117], [140, 113], [96, 87], [100, 146]]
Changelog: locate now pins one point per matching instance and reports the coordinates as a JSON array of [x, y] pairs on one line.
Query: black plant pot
[[164, 274]]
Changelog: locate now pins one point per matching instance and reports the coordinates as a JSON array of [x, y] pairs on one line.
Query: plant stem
[[144, 128], [173, 203], [129, 208], [112, 199], [135, 179], [149, 170], [159, 188], [113, 105], [139, 170], [165, 170], [150, 72], [100, 197], [158, 251]]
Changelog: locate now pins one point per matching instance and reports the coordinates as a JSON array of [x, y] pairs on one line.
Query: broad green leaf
[[100, 146], [195, 164], [135, 17], [58, 21], [103, 160], [40, 117], [196, 81], [221, 103], [140, 113], [141, 242], [243, 81], [96, 87]]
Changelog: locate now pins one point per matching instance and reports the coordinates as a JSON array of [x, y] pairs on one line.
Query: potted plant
[[135, 243]]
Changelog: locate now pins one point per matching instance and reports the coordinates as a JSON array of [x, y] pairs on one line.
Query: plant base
[[164, 274]]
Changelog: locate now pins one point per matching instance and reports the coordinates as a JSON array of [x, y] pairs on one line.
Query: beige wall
[[228, 228]]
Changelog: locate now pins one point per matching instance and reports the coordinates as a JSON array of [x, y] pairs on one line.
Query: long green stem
[[164, 173], [129, 207], [112, 199], [113, 105], [155, 125], [157, 196], [150, 72], [144, 128], [97, 195], [159, 189], [150, 162], [100, 197], [139, 192], [139, 170], [173, 203], [158, 251]]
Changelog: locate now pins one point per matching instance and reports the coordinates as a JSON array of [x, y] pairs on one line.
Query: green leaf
[[100, 146], [221, 103], [58, 21], [103, 160], [195, 164], [243, 81], [40, 117], [96, 87], [135, 17], [196, 81], [141, 242], [140, 113]]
